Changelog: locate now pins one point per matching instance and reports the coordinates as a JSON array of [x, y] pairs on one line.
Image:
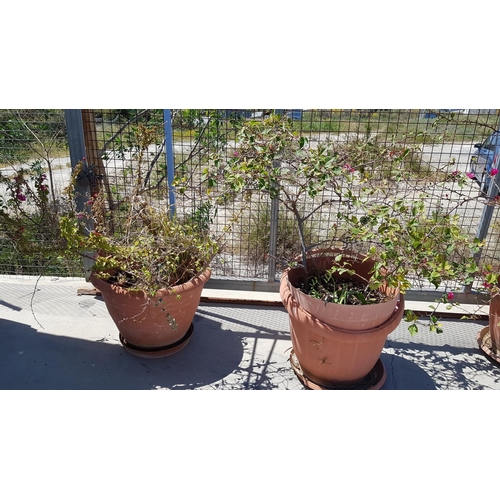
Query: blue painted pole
[[273, 234], [76, 143], [169, 152]]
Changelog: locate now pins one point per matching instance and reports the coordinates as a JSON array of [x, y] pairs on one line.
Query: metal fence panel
[[446, 140]]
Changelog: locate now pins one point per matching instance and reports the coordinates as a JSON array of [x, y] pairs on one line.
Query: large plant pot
[[489, 337], [333, 356], [142, 321]]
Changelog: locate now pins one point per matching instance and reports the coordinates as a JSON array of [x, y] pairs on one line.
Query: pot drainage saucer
[[374, 380], [485, 344], [157, 352]]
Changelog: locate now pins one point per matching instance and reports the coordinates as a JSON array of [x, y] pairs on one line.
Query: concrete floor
[[58, 339]]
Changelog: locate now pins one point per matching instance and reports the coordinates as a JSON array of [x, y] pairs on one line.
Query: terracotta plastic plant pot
[[494, 323], [332, 356], [143, 323], [350, 317], [488, 338], [335, 344]]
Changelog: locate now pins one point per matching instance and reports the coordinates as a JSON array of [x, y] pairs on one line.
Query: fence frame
[[78, 141], [83, 144]]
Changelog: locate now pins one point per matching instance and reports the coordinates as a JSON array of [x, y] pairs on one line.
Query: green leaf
[[413, 329], [410, 316]]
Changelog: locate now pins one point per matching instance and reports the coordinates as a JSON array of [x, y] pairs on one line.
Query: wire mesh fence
[[33, 158], [38, 139]]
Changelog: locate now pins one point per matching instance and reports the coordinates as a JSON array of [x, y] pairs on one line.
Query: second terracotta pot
[[337, 345], [331, 356]]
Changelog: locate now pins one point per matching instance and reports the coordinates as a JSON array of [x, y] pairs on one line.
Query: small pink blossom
[[450, 295], [21, 197], [454, 174], [494, 171], [236, 153], [470, 175], [348, 168]]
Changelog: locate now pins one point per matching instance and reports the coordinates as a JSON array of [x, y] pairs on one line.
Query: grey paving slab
[[57, 339]]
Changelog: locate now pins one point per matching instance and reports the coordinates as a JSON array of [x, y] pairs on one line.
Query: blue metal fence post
[[485, 221], [169, 152], [273, 233], [76, 143]]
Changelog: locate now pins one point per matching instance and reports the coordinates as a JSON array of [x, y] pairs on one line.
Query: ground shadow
[[266, 341], [239, 348], [422, 366], [9, 305], [404, 374], [30, 359]]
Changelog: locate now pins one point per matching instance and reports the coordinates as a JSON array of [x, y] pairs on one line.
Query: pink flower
[[493, 171], [454, 174], [470, 175], [450, 295], [21, 197], [348, 168], [236, 153]]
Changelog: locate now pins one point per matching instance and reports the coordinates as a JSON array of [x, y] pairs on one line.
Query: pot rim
[[194, 282], [325, 253], [291, 304]]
